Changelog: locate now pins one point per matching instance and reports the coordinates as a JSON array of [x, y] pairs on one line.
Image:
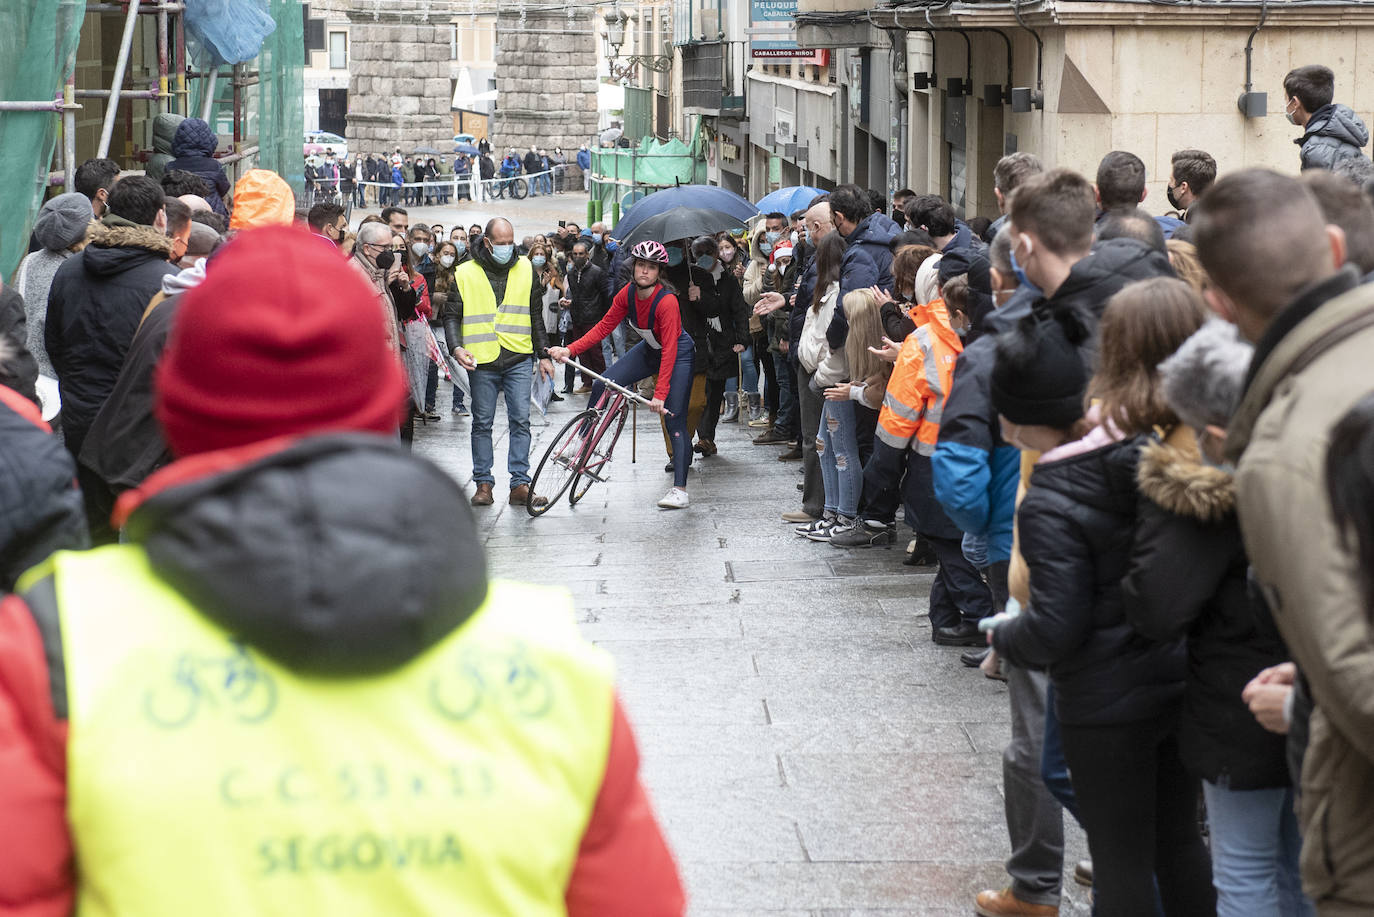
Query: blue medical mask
[[502, 254], [1021, 277], [538, 260], [611, 246], [674, 257], [772, 236], [461, 246], [706, 262], [766, 247], [596, 236]]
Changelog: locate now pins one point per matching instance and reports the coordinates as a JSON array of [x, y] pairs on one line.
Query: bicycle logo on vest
[[233, 685], [504, 678]]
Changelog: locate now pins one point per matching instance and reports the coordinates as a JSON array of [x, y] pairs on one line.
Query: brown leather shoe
[[519, 496], [1004, 904], [483, 495]]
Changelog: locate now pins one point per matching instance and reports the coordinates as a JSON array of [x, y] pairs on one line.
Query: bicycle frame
[[629, 394]]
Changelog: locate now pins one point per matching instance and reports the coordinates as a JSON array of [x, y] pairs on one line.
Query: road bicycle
[[517, 188], [580, 455]]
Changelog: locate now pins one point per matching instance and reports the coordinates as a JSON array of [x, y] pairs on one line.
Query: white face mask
[[447, 261], [420, 249], [1290, 112]]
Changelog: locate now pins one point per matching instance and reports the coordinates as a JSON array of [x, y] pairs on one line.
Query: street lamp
[[615, 37]]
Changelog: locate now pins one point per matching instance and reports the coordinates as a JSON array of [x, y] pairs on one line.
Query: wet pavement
[[809, 750]]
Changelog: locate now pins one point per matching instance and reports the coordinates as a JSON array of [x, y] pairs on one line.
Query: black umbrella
[[681, 223]]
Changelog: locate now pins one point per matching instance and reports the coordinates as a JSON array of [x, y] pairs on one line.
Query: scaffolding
[[52, 30]]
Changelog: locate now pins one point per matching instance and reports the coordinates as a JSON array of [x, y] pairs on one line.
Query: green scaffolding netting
[[621, 175], [274, 108], [281, 95], [37, 52]]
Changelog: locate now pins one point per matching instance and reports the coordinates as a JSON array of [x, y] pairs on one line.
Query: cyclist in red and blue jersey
[[663, 348]]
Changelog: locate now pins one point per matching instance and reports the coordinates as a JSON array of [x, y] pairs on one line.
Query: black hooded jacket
[[362, 556], [97, 299], [1189, 575], [40, 507], [1075, 525]]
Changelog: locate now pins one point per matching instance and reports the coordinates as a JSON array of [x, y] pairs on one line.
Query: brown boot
[[519, 496], [483, 495], [1004, 904]]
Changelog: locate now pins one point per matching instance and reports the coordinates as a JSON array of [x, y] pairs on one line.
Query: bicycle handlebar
[[632, 395]]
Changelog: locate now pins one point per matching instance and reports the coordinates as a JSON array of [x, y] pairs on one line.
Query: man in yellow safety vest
[[494, 323]]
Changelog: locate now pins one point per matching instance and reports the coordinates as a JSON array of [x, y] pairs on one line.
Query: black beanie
[[1040, 378]]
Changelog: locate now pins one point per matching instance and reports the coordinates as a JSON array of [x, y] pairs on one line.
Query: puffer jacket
[[867, 263], [194, 149], [19, 370], [96, 302], [1333, 133], [975, 470], [40, 507], [1189, 575], [1310, 367], [1075, 527], [164, 132]]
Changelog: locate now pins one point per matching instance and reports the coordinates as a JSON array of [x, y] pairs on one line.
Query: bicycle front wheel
[[560, 465], [598, 460], [519, 188]]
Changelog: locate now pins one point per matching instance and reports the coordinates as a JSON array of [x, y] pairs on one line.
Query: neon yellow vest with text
[[488, 327], [204, 778]]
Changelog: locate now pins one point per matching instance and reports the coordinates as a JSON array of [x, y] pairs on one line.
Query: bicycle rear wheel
[[598, 456], [519, 188], [559, 467]]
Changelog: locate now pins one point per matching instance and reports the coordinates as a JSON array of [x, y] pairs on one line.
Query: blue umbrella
[[707, 197], [467, 148], [788, 200]]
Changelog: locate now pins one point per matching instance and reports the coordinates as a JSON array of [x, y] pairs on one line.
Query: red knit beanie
[[282, 338]]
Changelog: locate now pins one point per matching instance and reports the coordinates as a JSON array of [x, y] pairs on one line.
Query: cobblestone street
[[809, 749]]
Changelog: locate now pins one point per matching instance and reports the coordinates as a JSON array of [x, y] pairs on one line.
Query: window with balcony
[[703, 75]]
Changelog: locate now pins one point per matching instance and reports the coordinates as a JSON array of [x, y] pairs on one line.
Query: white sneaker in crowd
[[675, 498]]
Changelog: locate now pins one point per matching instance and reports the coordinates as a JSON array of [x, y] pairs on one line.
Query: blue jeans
[[747, 382], [642, 362], [514, 384], [838, 449], [975, 549], [1054, 770], [613, 344], [1255, 846], [787, 394]]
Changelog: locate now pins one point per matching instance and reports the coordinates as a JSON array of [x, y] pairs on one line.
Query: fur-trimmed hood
[[128, 235], [1177, 479], [118, 247]]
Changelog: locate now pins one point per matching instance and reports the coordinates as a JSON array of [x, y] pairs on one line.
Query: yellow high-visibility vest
[[487, 326], [205, 778]]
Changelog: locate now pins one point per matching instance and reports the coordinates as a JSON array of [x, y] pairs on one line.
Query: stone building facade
[[1111, 75], [546, 77], [399, 92]]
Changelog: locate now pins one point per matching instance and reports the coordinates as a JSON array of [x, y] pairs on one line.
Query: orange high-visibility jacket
[[916, 393]]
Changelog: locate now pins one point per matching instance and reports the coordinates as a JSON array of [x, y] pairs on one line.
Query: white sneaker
[[675, 498]]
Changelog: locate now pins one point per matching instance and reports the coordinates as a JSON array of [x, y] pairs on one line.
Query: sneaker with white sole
[[675, 498], [838, 527], [816, 525]]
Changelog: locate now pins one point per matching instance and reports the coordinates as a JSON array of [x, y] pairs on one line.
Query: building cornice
[[1052, 13]]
